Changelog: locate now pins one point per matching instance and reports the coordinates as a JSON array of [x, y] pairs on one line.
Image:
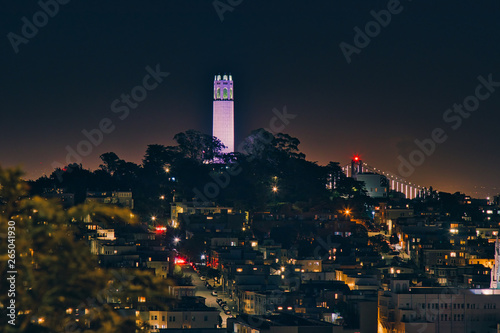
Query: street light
[[153, 218], [275, 189], [162, 197]]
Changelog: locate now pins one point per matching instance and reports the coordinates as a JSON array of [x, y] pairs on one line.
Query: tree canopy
[[270, 172]]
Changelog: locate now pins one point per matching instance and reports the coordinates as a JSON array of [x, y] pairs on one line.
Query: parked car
[[202, 278], [225, 307], [214, 293], [227, 312], [219, 300]]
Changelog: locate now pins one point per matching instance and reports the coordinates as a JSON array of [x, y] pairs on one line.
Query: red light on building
[[356, 158], [161, 229], [180, 261]]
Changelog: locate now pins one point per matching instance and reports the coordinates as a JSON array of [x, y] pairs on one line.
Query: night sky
[[280, 53]]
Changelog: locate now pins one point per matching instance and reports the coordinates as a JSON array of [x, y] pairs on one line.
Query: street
[[202, 291]]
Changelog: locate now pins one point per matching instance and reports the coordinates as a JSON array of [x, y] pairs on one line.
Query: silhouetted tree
[[198, 146], [110, 162]]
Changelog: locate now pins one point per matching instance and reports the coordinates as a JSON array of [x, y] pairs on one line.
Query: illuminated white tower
[[223, 121], [495, 272]]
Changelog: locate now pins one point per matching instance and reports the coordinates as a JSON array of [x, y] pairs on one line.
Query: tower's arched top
[[224, 84]]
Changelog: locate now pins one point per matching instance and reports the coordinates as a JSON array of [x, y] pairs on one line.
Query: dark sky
[[280, 53]]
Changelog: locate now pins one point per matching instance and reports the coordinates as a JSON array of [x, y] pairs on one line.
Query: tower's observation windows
[[225, 93]]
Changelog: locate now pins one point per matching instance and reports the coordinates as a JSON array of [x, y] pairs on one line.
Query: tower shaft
[[223, 112]]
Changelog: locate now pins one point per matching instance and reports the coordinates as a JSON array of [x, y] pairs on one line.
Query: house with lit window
[[408, 309], [186, 314], [119, 198]]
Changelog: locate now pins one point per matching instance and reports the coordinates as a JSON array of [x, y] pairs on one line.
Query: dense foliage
[[270, 174]]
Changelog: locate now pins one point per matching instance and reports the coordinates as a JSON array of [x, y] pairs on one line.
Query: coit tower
[[223, 121]]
